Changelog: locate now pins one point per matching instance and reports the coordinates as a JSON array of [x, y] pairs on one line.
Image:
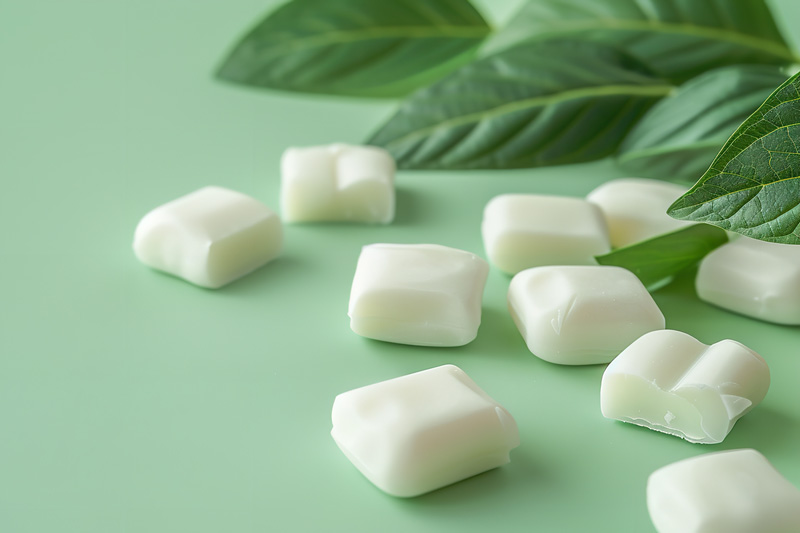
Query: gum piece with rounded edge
[[527, 230], [420, 432], [636, 208], [755, 278], [581, 315], [209, 237], [671, 382], [422, 294], [338, 182], [735, 491]]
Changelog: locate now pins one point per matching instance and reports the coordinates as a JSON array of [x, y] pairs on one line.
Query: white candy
[[337, 183], [422, 294], [636, 208], [671, 382], [755, 278], [581, 315], [209, 237], [526, 230], [420, 432], [736, 491]]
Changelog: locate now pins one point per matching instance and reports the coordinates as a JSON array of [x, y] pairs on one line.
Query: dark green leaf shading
[[679, 137], [660, 258], [531, 105], [679, 39], [356, 47], [753, 185]]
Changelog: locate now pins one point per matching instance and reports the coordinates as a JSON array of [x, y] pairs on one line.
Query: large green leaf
[[356, 47], [530, 105], [679, 39], [753, 185], [659, 259], [679, 137]]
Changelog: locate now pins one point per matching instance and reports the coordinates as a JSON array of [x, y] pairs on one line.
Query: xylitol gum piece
[[735, 491], [636, 208], [423, 431], [421, 294], [209, 237], [527, 230], [671, 382], [581, 315], [755, 278], [338, 182]]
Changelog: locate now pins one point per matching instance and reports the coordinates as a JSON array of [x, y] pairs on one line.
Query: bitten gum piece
[[338, 182], [755, 278], [735, 491], [526, 230], [422, 294], [671, 382], [581, 315], [636, 208], [209, 237], [423, 431]]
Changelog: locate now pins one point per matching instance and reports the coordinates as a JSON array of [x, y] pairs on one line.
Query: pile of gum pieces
[[417, 433]]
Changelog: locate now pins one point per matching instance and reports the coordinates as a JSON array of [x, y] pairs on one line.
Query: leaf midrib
[[379, 32], [536, 101], [771, 47]]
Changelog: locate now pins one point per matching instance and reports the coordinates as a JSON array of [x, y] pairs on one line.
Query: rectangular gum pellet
[[670, 382], [420, 432], [636, 208], [581, 315], [337, 182], [210, 237], [420, 294], [527, 230], [755, 278], [735, 491]]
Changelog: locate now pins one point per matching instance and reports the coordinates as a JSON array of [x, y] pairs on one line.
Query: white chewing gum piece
[[755, 278], [210, 237], [338, 182], [527, 230], [735, 491], [636, 208], [421, 294], [417, 433], [581, 315], [671, 382]]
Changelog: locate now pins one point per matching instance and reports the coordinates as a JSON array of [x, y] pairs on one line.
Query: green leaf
[[753, 185], [679, 137], [678, 39], [660, 258], [356, 47], [532, 105]]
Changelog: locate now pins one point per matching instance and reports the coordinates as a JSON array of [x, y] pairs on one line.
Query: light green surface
[[133, 401]]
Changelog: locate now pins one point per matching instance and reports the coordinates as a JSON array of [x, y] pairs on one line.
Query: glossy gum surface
[[671, 382], [581, 315], [636, 208], [527, 230], [736, 491], [422, 294], [417, 433], [755, 278], [338, 182], [210, 237]]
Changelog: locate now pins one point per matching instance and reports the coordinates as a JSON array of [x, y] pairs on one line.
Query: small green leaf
[[679, 39], [679, 137], [753, 185], [356, 47], [660, 258], [532, 105]]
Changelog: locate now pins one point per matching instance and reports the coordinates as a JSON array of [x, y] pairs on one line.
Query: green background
[[133, 401]]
